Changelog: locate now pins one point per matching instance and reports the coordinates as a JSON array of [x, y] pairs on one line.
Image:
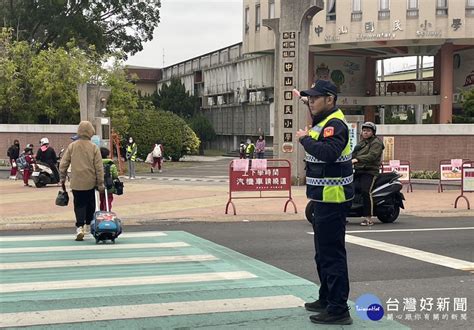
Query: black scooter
[[43, 174], [387, 197]]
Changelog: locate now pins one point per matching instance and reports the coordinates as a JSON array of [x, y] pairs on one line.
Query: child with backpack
[[157, 154], [110, 175], [25, 162]]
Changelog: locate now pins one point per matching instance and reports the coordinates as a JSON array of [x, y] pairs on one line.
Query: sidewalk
[[147, 201]]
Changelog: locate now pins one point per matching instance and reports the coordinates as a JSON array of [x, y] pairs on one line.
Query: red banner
[[271, 179]]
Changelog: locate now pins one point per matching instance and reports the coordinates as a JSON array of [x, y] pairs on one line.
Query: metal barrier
[[255, 179], [401, 167], [450, 171], [467, 182]]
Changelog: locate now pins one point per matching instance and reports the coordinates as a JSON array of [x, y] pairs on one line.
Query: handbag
[[118, 185], [63, 198]]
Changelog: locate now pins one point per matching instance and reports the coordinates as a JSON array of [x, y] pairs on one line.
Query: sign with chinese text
[[273, 178], [468, 179], [403, 170]]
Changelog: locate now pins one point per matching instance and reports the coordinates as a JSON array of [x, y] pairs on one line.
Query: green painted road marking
[[104, 262], [184, 294]]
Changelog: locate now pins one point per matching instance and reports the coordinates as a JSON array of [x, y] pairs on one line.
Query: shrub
[[148, 126], [431, 175]]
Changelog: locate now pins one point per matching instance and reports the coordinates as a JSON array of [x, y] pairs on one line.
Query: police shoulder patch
[[328, 131]]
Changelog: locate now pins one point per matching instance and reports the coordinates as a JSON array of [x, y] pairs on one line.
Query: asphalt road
[[394, 274]]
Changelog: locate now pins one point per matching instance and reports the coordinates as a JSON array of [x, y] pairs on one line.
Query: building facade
[[245, 88]]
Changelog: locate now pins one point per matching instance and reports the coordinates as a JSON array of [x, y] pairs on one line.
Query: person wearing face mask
[[13, 153], [329, 185], [131, 156], [367, 157]]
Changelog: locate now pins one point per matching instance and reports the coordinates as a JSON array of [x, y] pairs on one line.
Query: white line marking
[[70, 236], [412, 253], [124, 281], [399, 230], [406, 230], [92, 247], [106, 262], [94, 314]]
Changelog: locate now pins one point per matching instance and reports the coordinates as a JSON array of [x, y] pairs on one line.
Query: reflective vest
[[132, 151], [329, 182]]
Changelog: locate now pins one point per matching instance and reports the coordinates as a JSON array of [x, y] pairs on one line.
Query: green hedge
[[148, 126]]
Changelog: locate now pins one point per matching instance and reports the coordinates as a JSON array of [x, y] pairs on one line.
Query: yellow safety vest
[[329, 182]]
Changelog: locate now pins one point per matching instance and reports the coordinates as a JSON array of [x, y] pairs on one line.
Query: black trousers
[[329, 227], [84, 206], [363, 183]]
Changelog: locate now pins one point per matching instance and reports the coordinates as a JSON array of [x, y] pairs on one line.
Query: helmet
[[29, 146], [44, 141], [370, 125]]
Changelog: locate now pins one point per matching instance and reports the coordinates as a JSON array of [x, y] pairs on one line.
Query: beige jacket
[[85, 160]]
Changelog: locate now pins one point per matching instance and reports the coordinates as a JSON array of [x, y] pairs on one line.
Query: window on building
[[331, 10], [247, 18], [257, 17], [356, 10], [271, 9], [442, 7], [469, 7], [384, 9], [412, 8]]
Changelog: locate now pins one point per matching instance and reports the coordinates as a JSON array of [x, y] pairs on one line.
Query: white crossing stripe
[[405, 230], [105, 262], [124, 281], [92, 314], [412, 253], [70, 237], [93, 247]]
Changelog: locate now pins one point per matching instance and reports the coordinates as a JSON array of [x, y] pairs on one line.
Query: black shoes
[[151, 170], [315, 306], [329, 318]]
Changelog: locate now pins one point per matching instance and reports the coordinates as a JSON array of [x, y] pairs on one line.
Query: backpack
[[157, 151], [108, 181], [242, 148], [21, 162]]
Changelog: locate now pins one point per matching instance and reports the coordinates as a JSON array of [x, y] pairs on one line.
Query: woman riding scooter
[[367, 157]]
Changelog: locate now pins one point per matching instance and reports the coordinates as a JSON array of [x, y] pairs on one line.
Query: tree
[[175, 98], [123, 100], [108, 24], [467, 115], [148, 126], [203, 129], [54, 76]]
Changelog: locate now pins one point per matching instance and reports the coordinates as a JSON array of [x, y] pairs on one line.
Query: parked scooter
[[386, 195], [43, 174]]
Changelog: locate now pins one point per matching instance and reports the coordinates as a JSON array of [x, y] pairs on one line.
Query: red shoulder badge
[[328, 131]]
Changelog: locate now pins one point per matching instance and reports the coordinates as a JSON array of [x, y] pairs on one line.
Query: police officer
[[329, 185]]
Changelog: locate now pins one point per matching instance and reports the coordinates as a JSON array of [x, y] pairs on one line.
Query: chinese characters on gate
[[288, 55]]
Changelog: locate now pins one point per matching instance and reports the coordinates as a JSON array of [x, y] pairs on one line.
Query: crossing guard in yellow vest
[[329, 184]]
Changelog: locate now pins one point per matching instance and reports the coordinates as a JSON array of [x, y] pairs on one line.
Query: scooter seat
[[384, 178]]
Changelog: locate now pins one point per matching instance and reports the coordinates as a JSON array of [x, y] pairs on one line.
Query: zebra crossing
[[146, 280]]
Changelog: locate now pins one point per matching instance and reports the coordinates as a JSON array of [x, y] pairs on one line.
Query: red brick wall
[[56, 140], [424, 152]]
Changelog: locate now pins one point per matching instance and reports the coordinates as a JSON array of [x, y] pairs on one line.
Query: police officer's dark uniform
[[329, 179]]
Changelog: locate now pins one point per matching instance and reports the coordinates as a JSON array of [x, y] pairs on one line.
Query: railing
[[441, 11], [384, 14], [412, 13], [356, 16], [331, 17], [469, 10], [404, 87]]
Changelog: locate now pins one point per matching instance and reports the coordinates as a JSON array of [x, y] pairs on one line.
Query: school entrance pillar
[[446, 92], [291, 71]]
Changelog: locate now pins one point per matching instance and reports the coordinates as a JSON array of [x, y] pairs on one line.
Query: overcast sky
[[189, 28]]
